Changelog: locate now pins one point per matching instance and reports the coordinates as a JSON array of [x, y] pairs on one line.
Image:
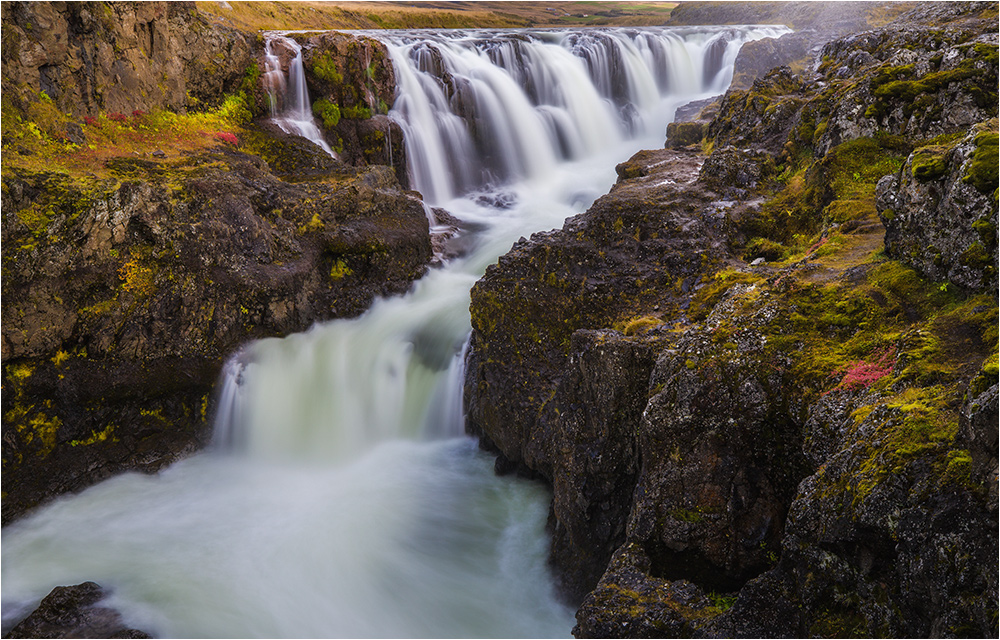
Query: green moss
[[709, 295], [931, 162], [326, 111], [982, 170], [958, 468], [976, 256], [96, 436], [315, 224], [339, 270], [638, 325], [138, 274], [987, 231], [356, 112], [236, 109], [692, 516], [325, 68]]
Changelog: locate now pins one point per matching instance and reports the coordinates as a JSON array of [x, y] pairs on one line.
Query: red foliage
[[225, 136], [817, 245], [861, 374], [138, 113], [89, 120], [117, 117]]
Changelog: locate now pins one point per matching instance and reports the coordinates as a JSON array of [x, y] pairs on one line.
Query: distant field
[[433, 15]]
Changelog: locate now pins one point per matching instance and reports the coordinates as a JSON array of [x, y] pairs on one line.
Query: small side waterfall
[[342, 499], [291, 108]]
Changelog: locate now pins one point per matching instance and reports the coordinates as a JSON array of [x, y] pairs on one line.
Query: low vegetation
[[433, 15]]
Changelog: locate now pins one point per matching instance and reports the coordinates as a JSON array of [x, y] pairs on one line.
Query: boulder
[[74, 612], [940, 210]]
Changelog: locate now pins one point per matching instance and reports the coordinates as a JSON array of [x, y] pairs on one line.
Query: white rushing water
[[341, 498]]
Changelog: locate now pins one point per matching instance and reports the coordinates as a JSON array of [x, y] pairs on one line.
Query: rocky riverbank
[[140, 251], [760, 374]]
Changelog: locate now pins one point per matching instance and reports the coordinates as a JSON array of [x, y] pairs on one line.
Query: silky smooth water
[[340, 497]]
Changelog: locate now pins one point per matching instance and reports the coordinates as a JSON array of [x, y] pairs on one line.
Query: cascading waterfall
[[341, 498], [291, 108]]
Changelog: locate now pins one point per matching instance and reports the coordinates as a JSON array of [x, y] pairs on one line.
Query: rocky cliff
[[762, 391], [120, 56]]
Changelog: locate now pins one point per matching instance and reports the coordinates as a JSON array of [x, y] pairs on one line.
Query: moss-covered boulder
[[124, 294], [940, 209]]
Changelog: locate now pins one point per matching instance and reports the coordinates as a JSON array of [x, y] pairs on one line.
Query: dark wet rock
[[721, 455], [937, 219], [737, 172], [903, 553], [575, 416], [121, 56], [74, 612], [122, 298], [698, 110], [630, 603], [761, 117], [682, 134]]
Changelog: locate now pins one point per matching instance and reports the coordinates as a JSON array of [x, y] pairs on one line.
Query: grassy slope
[[433, 15]]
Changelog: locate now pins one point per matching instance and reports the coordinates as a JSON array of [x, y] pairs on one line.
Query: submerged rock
[[74, 612]]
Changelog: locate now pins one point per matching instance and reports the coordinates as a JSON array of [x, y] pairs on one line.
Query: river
[[341, 497]]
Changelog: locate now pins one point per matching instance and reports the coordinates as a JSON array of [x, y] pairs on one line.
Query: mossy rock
[[931, 162], [982, 170]]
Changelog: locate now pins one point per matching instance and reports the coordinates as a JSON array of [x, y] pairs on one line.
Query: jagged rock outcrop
[[940, 210], [126, 294], [120, 56], [586, 275], [74, 612]]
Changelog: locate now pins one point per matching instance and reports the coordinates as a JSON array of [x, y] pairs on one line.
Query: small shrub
[[861, 374], [226, 136], [326, 111]]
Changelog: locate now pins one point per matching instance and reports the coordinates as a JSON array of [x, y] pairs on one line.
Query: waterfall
[[291, 108], [482, 108], [341, 498]]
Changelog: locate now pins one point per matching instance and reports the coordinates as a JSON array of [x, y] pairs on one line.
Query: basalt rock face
[[800, 447], [940, 210], [120, 56], [631, 259], [126, 294]]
